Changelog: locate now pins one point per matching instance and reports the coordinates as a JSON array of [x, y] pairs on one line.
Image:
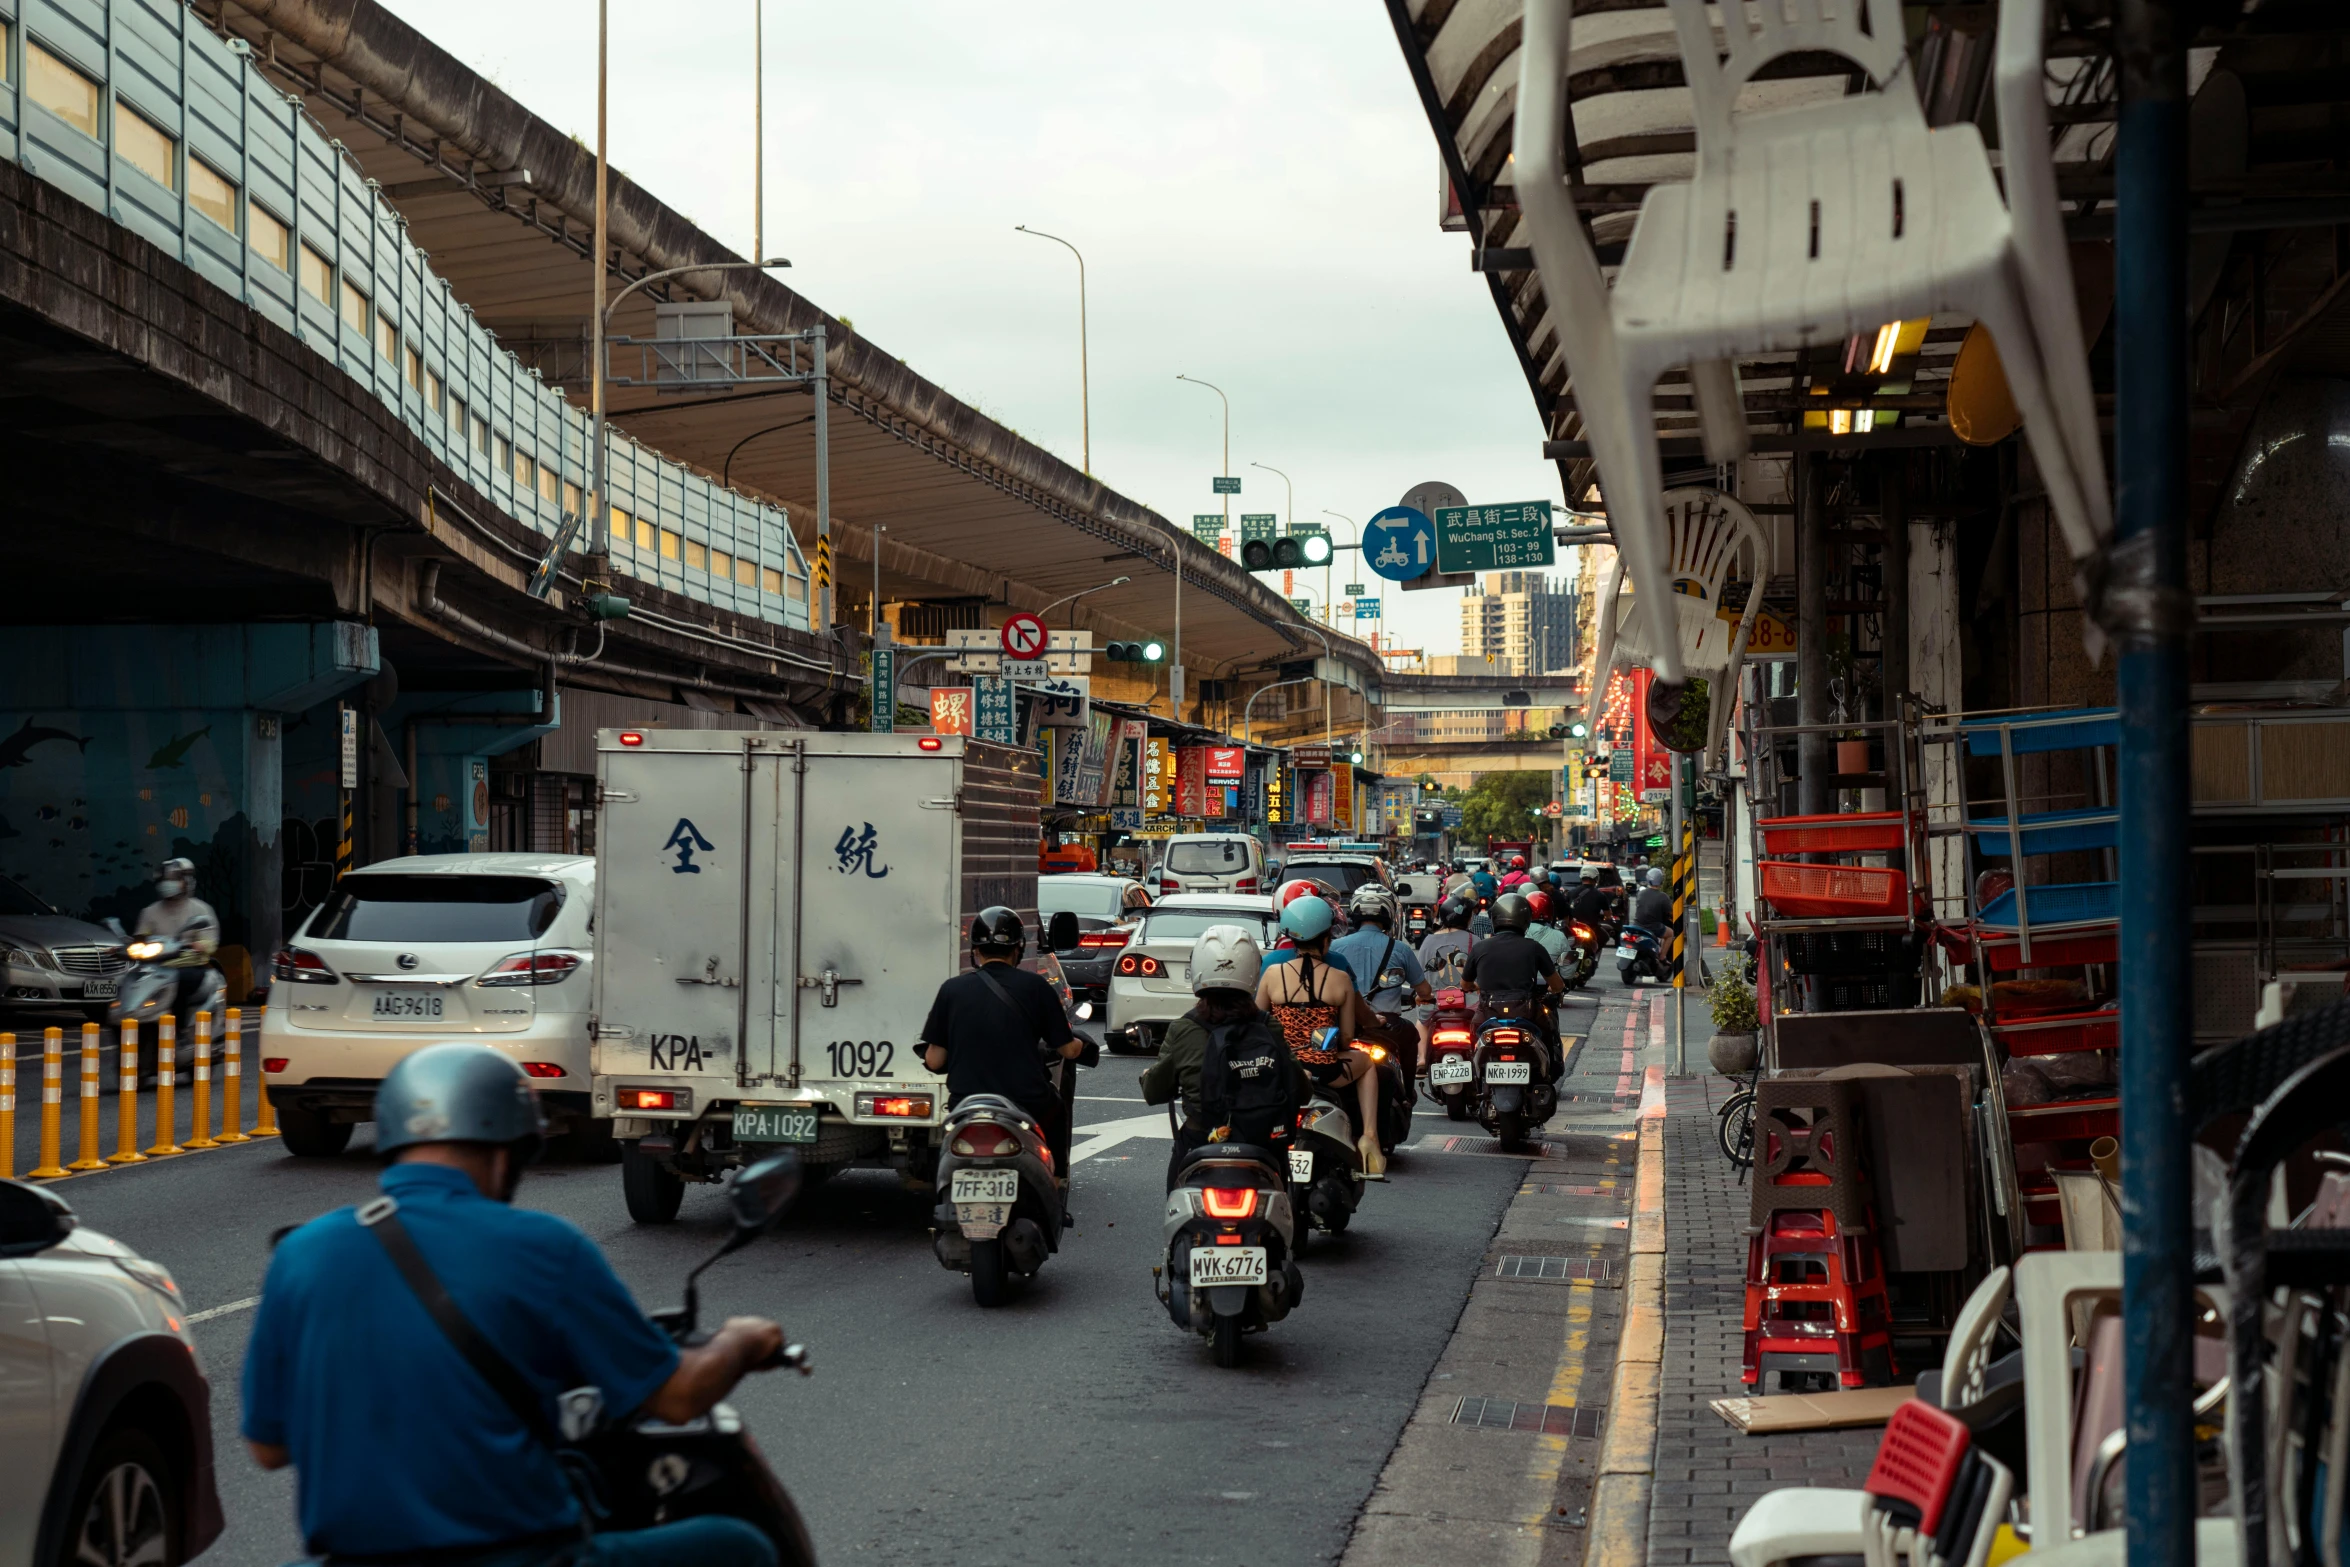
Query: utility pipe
[[2148, 612]]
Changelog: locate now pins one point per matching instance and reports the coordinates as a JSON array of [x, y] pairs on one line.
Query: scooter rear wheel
[[1228, 1342], [991, 1280], [1509, 1129], [1457, 1109]]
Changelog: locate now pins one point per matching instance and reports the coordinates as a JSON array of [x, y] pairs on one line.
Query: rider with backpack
[[1224, 1059]]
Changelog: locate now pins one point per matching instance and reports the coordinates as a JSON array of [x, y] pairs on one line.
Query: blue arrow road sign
[[1400, 543]]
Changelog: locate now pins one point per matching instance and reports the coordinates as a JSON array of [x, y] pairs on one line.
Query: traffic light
[[1257, 555], [1578, 730], [1151, 652], [1311, 549], [1558, 731], [1356, 756]]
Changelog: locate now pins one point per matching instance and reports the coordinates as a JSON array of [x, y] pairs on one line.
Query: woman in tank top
[[1310, 994]]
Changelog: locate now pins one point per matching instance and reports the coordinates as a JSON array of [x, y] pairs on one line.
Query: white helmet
[[1372, 901], [1226, 957]]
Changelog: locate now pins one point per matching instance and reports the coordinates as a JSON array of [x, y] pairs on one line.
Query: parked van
[[1212, 862]]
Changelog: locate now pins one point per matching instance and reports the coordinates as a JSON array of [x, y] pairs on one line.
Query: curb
[[1618, 1534]]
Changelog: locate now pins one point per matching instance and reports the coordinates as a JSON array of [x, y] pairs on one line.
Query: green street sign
[[883, 718], [1619, 766], [1227, 484], [1259, 525], [1209, 525], [1304, 530], [1494, 538], [1354, 590], [1303, 606]]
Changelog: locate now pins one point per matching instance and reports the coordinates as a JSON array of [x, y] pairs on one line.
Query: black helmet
[[458, 1093], [1512, 912], [998, 933], [1458, 911]]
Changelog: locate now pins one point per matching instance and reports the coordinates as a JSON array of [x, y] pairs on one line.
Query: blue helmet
[[1307, 917], [456, 1093]]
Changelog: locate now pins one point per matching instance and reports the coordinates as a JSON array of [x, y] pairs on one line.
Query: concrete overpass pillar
[[123, 746], [446, 740]]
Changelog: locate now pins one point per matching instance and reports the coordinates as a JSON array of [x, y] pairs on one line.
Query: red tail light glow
[[654, 1099], [1105, 938], [1507, 1036], [550, 967], [1140, 963], [930, 743], [985, 1140], [1229, 1202], [1450, 1036], [631, 737], [542, 1069], [1245, 884], [275, 1064], [1584, 932], [303, 968], [915, 1107]]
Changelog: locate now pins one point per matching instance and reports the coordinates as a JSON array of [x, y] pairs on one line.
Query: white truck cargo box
[[774, 913]]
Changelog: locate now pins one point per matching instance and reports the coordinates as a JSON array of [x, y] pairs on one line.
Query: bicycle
[[1734, 1124]]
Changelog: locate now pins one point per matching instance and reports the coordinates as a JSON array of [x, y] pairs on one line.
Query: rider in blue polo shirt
[[400, 1446]]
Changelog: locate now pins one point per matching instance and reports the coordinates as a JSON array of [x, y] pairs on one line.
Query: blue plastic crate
[[2049, 832], [2068, 729], [2060, 903]]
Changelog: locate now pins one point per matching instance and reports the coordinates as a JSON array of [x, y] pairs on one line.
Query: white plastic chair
[[1706, 535], [1805, 226]]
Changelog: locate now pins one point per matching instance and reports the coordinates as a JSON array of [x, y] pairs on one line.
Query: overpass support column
[[124, 746], [446, 741]]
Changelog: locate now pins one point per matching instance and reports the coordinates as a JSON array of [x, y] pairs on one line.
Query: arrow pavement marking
[[1109, 1134]]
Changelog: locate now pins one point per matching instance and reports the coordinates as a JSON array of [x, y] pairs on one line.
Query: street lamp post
[[758, 126], [1084, 388], [1289, 516], [1357, 544], [1175, 662], [1080, 593]]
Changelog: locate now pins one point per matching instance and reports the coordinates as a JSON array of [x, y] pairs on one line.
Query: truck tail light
[[548, 966], [930, 743], [631, 737], [901, 1107], [1140, 963], [542, 1069], [303, 967], [1229, 1202], [654, 1099]]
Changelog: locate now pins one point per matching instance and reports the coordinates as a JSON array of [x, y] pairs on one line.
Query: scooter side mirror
[[1084, 1011], [1327, 1039], [759, 1193]]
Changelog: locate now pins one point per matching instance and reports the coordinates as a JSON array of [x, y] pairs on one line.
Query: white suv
[[1212, 862], [492, 949], [105, 1416]]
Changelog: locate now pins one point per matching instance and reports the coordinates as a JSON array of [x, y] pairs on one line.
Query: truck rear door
[[878, 880], [671, 958]]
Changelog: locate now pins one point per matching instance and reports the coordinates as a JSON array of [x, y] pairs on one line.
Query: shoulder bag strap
[[995, 988], [381, 1218]]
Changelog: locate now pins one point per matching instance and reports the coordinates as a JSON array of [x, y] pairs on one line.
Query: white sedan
[[1150, 984]]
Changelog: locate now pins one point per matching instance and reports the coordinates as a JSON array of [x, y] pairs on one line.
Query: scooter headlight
[[141, 951]]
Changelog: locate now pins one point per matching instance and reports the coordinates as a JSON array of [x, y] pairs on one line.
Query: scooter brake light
[[1378, 1052], [1506, 1036], [1229, 1202], [985, 1140], [1451, 1036], [1584, 932]]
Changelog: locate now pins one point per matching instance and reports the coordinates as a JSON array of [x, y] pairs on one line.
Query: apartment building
[[1519, 623]]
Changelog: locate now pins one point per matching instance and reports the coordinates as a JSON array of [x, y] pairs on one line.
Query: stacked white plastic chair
[[1804, 226], [1707, 535]]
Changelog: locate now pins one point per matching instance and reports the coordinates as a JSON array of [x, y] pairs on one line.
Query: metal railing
[[175, 134]]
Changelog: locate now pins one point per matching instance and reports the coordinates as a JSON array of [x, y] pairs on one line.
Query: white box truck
[[774, 913]]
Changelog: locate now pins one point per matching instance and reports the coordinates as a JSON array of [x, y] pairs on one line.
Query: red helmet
[[1517, 862], [1539, 905], [1290, 891]]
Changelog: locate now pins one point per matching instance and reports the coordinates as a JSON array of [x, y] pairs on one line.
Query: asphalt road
[[1077, 1425]]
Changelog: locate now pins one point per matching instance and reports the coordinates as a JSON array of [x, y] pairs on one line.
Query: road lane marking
[[1106, 1135], [247, 1304]]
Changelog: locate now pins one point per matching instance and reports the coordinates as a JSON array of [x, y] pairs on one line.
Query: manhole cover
[[1502, 1414]]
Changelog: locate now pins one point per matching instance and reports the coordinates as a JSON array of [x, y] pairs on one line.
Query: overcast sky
[[1254, 187]]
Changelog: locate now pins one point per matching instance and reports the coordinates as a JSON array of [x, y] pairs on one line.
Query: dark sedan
[[1106, 908]]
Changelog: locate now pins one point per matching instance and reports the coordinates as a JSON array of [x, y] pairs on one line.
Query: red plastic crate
[[1846, 832], [2058, 1032], [2065, 1120], [1834, 891], [2004, 953]]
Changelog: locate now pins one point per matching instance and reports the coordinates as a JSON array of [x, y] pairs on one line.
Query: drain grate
[[1553, 1189], [1559, 1270], [1502, 1414]]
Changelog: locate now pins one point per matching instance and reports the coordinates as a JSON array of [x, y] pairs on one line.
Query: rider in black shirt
[[1510, 967], [996, 1044]]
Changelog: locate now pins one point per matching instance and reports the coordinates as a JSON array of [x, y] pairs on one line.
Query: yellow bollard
[[88, 1145], [200, 1118], [52, 1105], [232, 1091], [167, 1071], [8, 1105], [126, 1099], [265, 1124]]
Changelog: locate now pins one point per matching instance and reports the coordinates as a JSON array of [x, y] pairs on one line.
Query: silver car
[[105, 1416], [1150, 984], [48, 956]]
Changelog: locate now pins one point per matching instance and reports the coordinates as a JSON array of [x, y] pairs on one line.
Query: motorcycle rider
[[1509, 968], [986, 1026], [1387, 975], [1542, 908], [1225, 966], [1444, 952], [1654, 910], [402, 1450], [177, 914], [1513, 876], [1590, 904], [1311, 994]]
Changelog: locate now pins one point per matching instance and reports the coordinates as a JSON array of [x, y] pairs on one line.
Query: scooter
[[1637, 955], [1000, 1211], [1325, 1165], [652, 1472], [1514, 1091], [1231, 1232], [1452, 1039], [149, 991], [1394, 1097], [1586, 939]]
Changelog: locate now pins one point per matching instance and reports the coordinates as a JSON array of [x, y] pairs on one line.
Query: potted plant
[[1731, 1000]]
